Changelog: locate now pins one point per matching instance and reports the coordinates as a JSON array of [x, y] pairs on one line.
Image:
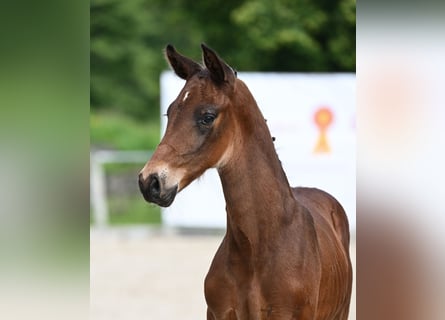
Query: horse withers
[[285, 254]]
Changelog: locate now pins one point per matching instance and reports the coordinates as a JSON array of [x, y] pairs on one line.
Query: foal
[[285, 254]]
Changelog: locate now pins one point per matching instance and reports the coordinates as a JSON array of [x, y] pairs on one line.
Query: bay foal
[[285, 254]]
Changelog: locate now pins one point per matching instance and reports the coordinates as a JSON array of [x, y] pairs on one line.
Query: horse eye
[[207, 119]]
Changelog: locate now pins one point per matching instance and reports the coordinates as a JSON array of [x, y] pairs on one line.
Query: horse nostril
[[154, 186]]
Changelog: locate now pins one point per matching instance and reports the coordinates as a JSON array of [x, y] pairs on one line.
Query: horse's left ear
[[184, 67], [220, 72]]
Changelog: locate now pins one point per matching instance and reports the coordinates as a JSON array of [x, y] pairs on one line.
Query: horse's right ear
[[184, 67], [220, 72]]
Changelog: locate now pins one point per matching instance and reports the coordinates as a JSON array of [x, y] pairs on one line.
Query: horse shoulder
[[220, 287]]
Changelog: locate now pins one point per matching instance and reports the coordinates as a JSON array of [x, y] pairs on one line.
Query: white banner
[[312, 117]]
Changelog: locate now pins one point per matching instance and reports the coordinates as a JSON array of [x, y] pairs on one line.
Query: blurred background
[[51, 262], [140, 267], [127, 43]]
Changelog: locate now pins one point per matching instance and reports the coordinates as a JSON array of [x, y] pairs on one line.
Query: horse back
[[326, 211]]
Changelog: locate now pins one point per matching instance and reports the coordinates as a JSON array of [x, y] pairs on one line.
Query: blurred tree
[[298, 35], [119, 57], [127, 39]]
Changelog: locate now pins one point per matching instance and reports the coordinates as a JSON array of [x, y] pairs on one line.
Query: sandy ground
[[138, 273]]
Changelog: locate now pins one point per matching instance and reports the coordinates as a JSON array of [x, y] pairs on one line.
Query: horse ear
[[220, 72], [184, 67]]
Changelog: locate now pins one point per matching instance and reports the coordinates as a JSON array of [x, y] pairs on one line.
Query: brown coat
[[285, 254]]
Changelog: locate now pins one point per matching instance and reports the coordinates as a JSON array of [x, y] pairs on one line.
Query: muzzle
[[153, 189]]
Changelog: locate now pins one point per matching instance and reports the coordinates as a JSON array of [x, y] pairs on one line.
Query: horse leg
[[343, 314], [231, 315], [210, 315], [299, 313], [306, 312]]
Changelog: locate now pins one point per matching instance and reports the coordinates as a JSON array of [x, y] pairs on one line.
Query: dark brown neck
[[257, 193]]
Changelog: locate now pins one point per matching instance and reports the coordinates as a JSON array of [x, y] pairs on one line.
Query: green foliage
[[111, 130], [128, 38], [298, 35], [121, 62]]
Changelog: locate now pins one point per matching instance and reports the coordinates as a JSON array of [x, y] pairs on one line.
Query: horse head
[[201, 127]]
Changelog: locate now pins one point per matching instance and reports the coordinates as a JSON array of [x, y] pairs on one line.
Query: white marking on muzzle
[[170, 176], [144, 172]]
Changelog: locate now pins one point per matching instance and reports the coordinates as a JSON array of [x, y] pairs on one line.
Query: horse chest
[[235, 290]]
